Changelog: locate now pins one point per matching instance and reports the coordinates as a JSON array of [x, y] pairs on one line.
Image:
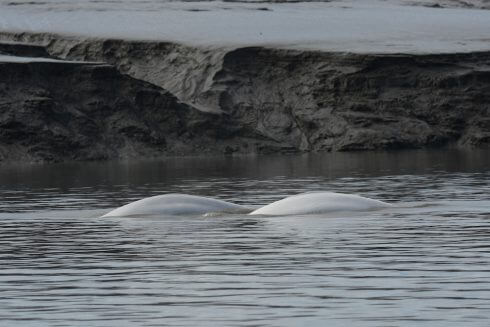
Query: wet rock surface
[[157, 98]]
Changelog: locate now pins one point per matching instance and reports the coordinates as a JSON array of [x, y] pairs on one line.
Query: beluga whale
[[319, 202], [175, 204], [300, 204]]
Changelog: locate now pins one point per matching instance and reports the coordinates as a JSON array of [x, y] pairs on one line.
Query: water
[[424, 263]]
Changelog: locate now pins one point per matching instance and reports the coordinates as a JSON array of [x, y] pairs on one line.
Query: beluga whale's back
[[319, 202], [175, 204]]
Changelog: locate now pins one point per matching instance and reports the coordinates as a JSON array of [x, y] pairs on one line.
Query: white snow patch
[[354, 26], [26, 60]]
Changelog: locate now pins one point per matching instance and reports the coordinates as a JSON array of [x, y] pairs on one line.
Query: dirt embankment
[[191, 100]]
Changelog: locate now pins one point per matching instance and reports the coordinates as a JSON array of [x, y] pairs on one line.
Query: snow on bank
[[28, 60], [356, 26]]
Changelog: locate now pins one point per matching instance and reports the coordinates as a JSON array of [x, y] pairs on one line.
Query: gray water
[[425, 262]]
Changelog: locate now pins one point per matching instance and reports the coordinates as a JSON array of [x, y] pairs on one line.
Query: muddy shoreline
[[112, 98]]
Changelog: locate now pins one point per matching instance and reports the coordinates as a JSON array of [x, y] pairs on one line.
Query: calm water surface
[[425, 262]]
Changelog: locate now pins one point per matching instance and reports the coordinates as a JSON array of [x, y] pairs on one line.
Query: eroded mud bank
[[157, 98]]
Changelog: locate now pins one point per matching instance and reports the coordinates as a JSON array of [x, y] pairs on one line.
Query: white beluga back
[[319, 202], [175, 204]]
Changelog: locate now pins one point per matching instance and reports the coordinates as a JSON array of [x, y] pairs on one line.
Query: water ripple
[[424, 262]]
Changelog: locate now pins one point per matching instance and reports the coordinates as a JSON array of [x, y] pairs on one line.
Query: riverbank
[[89, 97]]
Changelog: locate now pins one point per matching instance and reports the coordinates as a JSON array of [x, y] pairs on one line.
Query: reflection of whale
[[319, 202], [301, 204], [175, 204]]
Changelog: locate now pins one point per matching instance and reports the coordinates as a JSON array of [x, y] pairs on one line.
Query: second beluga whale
[[319, 202]]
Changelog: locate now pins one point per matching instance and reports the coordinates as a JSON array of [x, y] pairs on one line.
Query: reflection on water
[[426, 262]]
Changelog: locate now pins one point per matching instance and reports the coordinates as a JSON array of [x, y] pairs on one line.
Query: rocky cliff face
[[240, 100]]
